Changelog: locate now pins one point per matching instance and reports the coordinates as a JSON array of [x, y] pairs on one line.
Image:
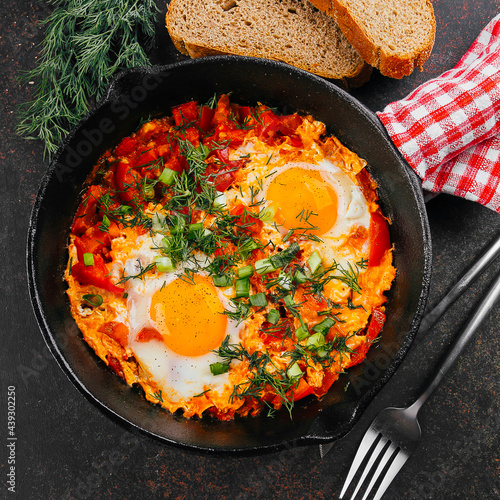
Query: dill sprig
[[86, 42]]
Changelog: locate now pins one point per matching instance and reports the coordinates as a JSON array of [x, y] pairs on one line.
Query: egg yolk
[[304, 198], [189, 316]]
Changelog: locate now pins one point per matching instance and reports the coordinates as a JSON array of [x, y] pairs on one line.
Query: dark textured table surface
[[67, 448]]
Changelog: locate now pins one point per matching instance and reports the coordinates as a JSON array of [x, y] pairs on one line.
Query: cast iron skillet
[[144, 93]]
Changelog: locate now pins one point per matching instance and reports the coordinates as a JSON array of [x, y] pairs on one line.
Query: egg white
[[352, 207], [179, 377]]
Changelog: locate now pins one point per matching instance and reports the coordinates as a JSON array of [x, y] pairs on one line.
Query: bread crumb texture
[[292, 31], [395, 35]]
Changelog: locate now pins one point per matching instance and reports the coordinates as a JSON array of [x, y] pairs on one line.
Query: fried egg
[[310, 195], [184, 323], [317, 196]]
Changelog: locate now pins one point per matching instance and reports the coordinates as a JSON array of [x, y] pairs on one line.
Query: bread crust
[[392, 64], [355, 78]]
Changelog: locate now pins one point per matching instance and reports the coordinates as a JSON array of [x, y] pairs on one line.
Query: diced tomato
[[223, 181], [86, 215], [207, 115], [291, 122], [245, 114], [95, 275], [117, 331], [379, 239], [221, 170], [176, 161], [126, 146], [96, 241], [273, 128], [126, 181], [145, 158], [192, 135], [147, 334], [246, 221], [373, 329], [186, 113]]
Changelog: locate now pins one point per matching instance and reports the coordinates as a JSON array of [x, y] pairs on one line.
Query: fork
[[395, 432]]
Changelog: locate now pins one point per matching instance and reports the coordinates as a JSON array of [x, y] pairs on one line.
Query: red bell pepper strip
[[379, 239], [95, 275], [207, 115]]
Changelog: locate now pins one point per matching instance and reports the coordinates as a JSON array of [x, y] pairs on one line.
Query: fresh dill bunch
[[85, 43]]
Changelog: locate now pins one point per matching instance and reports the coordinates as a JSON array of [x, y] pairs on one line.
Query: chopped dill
[[85, 43]]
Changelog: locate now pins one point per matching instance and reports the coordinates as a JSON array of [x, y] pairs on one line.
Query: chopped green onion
[[294, 371], [242, 286], [246, 247], [288, 300], [288, 235], [321, 352], [88, 259], [219, 368], [94, 299], [258, 300], [285, 281], [168, 176], [299, 277], [220, 200], [245, 272], [179, 227], [223, 280], [324, 326], [105, 221], [164, 264], [302, 332], [157, 222], [314, 261], [273, 316], [266, 214], [167, 243], [316, 340], [149, 191], [264, 266], [194, 230], [125, 209]]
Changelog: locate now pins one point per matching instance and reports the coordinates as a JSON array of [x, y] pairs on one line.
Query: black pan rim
[[308, 438]]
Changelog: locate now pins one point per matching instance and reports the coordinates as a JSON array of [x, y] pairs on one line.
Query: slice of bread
[[394, 36], [292, 31]]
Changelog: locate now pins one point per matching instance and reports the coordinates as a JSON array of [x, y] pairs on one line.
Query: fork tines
[[376, 450]]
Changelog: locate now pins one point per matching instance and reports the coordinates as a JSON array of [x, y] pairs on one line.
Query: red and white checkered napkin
[[448, 129]]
